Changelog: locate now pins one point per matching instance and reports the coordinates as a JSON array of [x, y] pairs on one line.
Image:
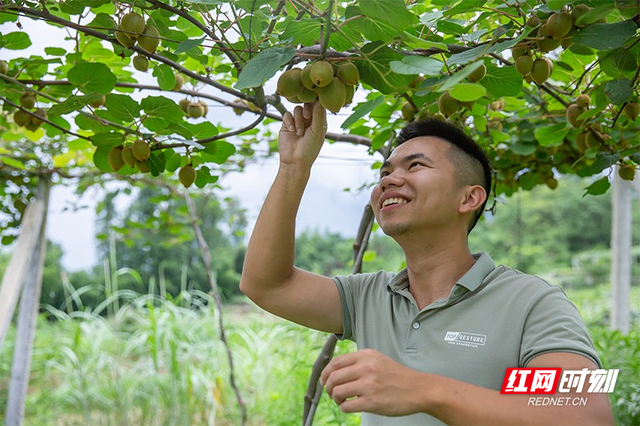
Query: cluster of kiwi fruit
[[194, 109], [553, 32], [26, 120], [133, 29], [331, 83], [137, 156]]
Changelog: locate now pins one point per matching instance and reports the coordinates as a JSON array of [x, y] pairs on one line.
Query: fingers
[[288, 122], [319, 121], [299, 120]]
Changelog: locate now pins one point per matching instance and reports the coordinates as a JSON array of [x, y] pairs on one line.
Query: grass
[[160, 362]]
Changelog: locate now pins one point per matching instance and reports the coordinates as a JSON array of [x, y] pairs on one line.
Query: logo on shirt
[[460, 338]]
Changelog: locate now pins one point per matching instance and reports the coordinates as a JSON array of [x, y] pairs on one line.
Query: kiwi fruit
[[581, 141], [478, 74], [321, 73], [552, 183], [567, 42], [447, 104], [183, 104], [408, 111], [307, 95], [21, 118], [40, 113], [559, 24], [518, 50], [577, 11], [627, 172], [128, 157], [236, 110], [572, 114], [187, 175], [133, 24], [179, 83], [583, 101], [195, 110], [141, 150], [4, 67], [350, 92], [524, 64], [348, 73], [27, 100], [31, 126], [141, 63], [99, 102], [548, 44], [143, 166], [150, 39], [289, 83], [115, 158], [333, 96], [540, 71], [123, 38], [632, 110], [305, 77], [534, 21]]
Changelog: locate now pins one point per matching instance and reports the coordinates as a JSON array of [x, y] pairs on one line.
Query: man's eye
[[383, 174], [415, 164]]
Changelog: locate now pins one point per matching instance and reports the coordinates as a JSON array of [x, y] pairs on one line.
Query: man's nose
[[391, 179]]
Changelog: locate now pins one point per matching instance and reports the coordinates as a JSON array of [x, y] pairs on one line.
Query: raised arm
[[269, 277]]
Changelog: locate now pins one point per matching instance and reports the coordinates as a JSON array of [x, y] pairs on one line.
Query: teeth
[[390, 201]]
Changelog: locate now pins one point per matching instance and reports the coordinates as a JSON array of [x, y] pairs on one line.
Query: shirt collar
[[471, 280]]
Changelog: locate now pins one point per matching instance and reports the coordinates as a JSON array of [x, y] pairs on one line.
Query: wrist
[[294, 171]]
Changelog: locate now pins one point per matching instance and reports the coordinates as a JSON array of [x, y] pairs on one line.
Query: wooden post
[[15, 272], [28, 314], [620, 253]]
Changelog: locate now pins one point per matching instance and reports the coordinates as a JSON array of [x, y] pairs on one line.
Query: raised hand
[[302, 135]]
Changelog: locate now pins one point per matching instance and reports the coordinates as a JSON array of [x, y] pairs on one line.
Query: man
[[435, 339]]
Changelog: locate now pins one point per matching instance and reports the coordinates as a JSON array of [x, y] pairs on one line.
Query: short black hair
[[477, 168]]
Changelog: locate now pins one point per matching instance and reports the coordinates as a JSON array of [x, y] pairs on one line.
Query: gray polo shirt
[[494, 318]]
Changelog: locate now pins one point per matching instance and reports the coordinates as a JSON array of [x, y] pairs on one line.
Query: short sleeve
[[553, 324]]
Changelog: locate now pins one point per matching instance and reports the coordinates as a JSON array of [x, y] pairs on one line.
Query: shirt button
[[415, 325]]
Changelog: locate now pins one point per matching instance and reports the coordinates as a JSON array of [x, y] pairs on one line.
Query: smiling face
[[420, 189]]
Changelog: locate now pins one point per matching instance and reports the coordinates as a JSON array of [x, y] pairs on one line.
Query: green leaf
[[598, 187], [412, 65], [159, 106], [595, 14], [303, 32], [263, 66], [219, 151], [250, 5], [156, 163], [55, 51], [101, 158], [450, 27], [202, 130], [173, 161], [392, 12], [619, 91], [465, 6], [188, 44], [122, 107], [449, 82], [605, 36], [522, 148], [551, 135], [92, 77], [108, 139], [618, 63], [370, 29], [165, 76], [375, 69], [503, 81], [72, 103], [362, 110], [16, 40], [12, 162], [466, 92]]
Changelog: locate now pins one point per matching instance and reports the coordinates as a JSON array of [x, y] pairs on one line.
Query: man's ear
[[474, 197]]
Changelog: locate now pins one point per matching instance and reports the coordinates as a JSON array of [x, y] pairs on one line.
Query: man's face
[[418, 189]]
